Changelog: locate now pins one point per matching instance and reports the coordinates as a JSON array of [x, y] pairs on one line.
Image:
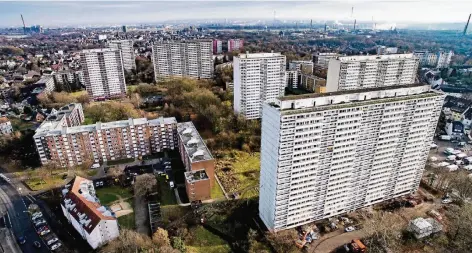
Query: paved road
[[8, 242], [21, 224]]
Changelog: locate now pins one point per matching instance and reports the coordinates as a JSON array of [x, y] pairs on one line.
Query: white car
[[95, 166], [446, 201], [171, 184], [349, 229], [56, 246], [53, 240]]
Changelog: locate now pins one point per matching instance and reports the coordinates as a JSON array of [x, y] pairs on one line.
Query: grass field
[[203, 241], [78, 93], [127, 221], [239, 172], [108, 195], [167, 195], [216, 191], [37, 184]]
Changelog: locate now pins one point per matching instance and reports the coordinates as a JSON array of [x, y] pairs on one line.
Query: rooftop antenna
[[24, 26], [467, 25]]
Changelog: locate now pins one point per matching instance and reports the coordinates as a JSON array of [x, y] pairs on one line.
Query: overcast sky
[[54, 13]]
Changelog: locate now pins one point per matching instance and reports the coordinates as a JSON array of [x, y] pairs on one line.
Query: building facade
[[103, 73], [68, 80], [47, 82], [322, 59], [127, 52], [258, 78], [5, 126], [73, 145], [235, 44], [386, 50], [358, 72], [426, 58], [183, 59], [312, 83], [97, 224], [291, 78], [198, 161], [327, 154], [217, 47], [444, 59]]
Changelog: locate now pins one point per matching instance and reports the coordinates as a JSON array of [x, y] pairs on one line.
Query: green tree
[[179, 244]]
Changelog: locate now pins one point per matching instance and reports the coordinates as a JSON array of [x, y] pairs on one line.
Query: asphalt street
[[19, 218]]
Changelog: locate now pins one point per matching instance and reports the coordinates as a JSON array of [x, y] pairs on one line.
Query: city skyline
[[63, 13]]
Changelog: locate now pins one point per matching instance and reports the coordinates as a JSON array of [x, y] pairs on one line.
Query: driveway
[[331, 241]]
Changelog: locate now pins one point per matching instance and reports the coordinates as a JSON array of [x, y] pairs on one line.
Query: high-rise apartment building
[[103, 73], [258, 78], [127, 52], [444, 59], [183, 59], [327, 154], [359, 72], [322, 59], [68, 80], [235, 44], [217, 47]]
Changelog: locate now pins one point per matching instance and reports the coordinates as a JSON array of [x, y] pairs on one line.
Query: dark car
[[37, 244], [22, 239]]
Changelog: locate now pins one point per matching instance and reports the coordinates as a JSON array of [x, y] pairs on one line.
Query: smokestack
[[325, 27], [467, 25], [355, 20], [24, 26], [311, 24]]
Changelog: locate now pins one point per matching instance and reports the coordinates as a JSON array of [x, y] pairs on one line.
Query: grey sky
[[52, 13]]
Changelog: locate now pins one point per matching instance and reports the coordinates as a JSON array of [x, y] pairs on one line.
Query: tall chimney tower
[[467, 25]]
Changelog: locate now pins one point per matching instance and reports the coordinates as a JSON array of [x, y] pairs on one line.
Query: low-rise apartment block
[[322, 59], [327, 154], [360, 72], [68, 115], [101, 142], [198, 161], [312, 83], [47, 82], [97, 224]]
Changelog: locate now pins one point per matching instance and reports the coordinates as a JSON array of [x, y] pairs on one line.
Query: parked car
[[43, 228], [22, 239], [95, 166], [52, 241], [56, 246], [40, 224], [37, 215], [446, 201], [349, 229], [37, 244], [45, 232], [171, 184]]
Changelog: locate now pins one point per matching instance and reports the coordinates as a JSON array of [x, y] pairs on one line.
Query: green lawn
[[122, 161], [108, 195], [88, 121], [127, 221], [37, 184], [216, 191], [239, 172], [203, 241], [167, 195]]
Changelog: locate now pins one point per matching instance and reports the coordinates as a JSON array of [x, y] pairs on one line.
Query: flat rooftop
[[51, 128], [345, 99], [355, 58], [258, 55], [98, 50], [346, 92], [194, 145], [195, 175]]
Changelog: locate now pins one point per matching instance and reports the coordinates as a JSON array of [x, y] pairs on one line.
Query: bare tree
[[128, 242], [460, 228], [144, 184], [383, 231], [161, 237], [462, 184], [283, 241]]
